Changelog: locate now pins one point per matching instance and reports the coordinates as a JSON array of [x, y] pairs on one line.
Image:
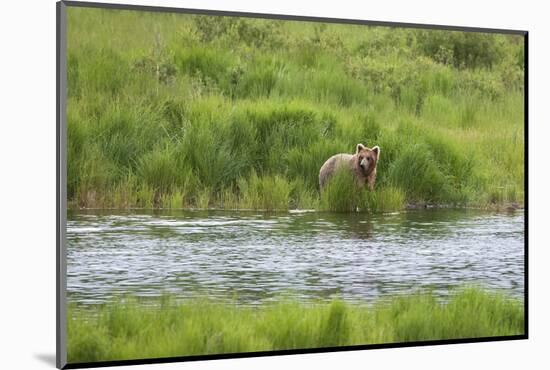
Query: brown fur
[[364, 174]]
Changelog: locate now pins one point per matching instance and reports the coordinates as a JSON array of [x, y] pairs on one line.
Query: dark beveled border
[[151, 8], [222, 356], [61, 186], [61, 196], [526, 180]]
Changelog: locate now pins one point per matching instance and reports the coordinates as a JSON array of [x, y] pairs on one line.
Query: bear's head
[[367, 158]]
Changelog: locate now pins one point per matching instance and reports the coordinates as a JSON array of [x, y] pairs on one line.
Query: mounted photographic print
[[234, 184]]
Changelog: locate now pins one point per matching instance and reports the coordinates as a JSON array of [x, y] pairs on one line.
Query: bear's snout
[[363, 163]]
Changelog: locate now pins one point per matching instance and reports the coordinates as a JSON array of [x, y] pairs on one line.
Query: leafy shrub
[[461, 49], [210, 28], [252, 32]]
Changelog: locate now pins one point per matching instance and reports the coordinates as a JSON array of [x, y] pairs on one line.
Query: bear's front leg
[[371, 179]]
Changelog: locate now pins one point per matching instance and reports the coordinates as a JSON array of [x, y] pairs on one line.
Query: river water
[[255, 257]]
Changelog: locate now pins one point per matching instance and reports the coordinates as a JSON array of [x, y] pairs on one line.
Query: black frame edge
[[164, 9], [58, 343], [290, 352], [61, 101], [526, 181]]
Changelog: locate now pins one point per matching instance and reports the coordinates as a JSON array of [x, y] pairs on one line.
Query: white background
[[27, 183]]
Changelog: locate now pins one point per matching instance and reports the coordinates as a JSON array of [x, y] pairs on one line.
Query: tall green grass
[[343, 195], [174, 110], [133, 329]]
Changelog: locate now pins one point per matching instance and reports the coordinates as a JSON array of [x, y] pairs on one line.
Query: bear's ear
[[359, 148], [376, 149]]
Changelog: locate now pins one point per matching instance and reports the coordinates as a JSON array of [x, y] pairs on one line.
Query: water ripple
[[254, 256]]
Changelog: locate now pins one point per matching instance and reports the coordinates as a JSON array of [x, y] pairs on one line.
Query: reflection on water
[[254, 256]]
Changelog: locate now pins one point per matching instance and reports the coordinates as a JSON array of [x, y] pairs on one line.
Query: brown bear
[[362, 163]]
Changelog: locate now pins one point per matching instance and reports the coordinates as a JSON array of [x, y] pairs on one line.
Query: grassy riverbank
[[132, 330], [180, 111]]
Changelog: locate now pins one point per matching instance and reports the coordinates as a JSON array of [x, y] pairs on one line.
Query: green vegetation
[[133, 329], [182, 111], [341, 195]]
